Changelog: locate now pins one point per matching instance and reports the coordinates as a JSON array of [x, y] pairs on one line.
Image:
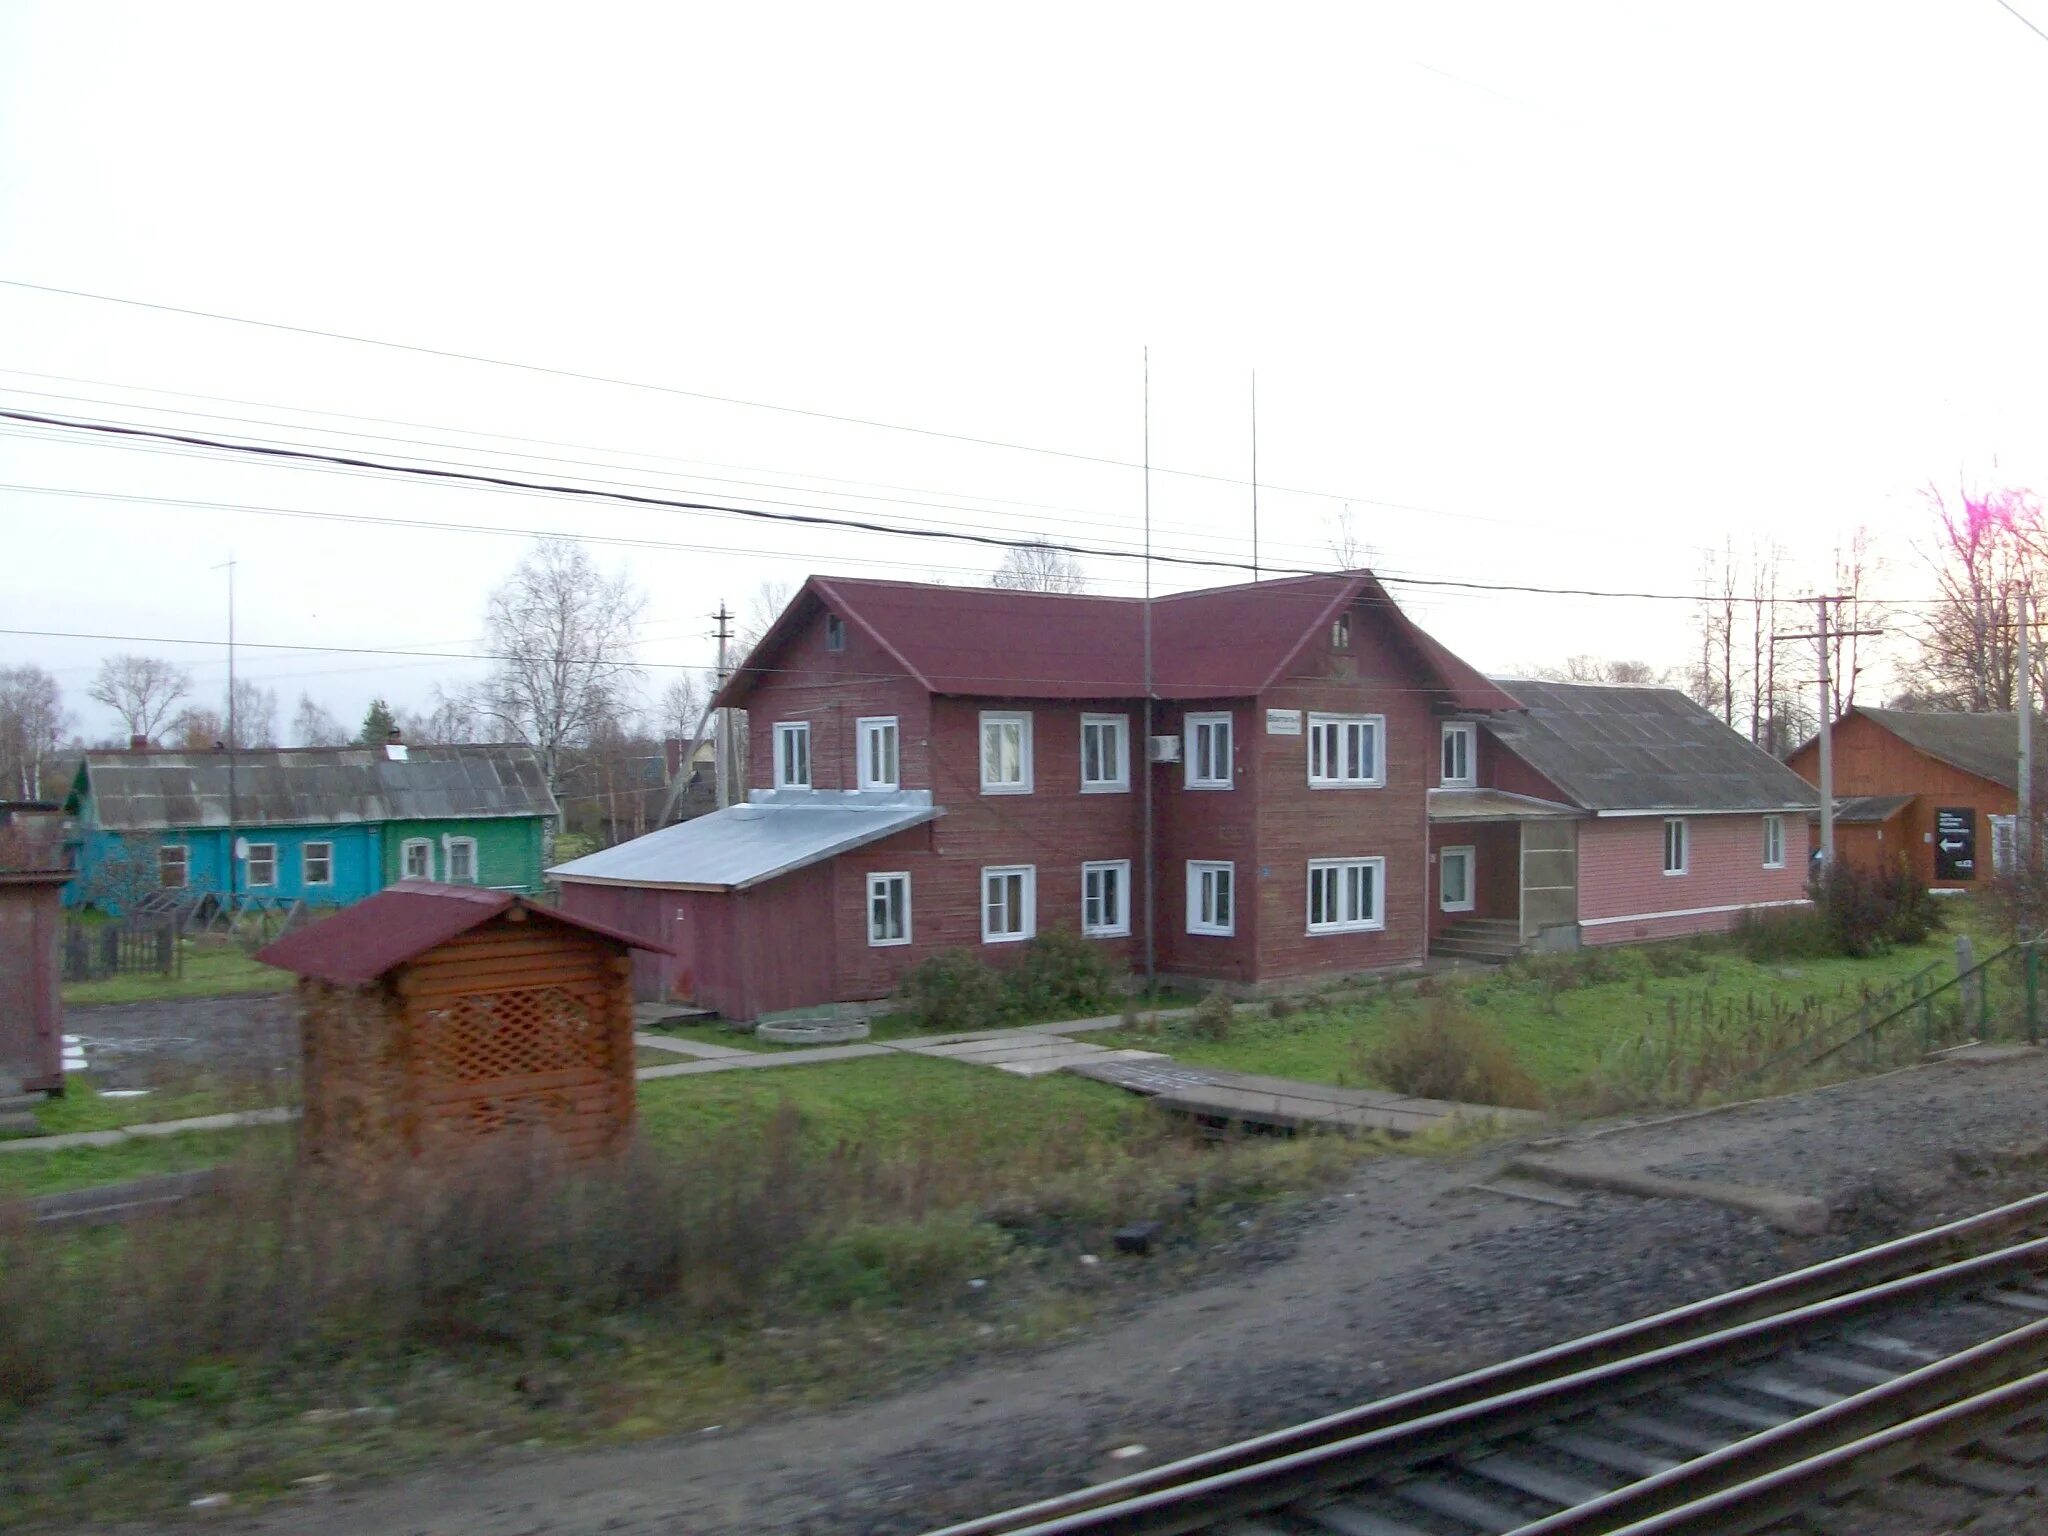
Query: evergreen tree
[[378, 724]]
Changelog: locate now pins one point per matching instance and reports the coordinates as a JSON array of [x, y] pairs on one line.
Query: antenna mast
[[1255, 474]]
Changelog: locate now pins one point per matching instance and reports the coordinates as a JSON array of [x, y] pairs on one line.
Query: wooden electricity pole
[[1821, 633]]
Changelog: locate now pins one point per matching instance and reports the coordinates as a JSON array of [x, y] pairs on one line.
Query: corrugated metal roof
[[151, 791], [989, 641], [1641, 749], [776, 832], [1493, 805], [402, 922]]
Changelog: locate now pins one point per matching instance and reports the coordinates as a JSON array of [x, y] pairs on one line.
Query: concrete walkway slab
[[1801, 1215], [746, 1061], [703, 1050], [279, 1115], [1045, 1066]]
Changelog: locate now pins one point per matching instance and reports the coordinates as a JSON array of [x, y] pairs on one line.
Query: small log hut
[[435, 1018]]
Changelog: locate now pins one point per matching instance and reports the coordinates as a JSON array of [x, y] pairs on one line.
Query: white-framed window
[[1340, 632], [1454, 870], [316, 861], [1675, 849], [1344, 895], [1774, 842], [835, 632], [459, 854], [1460, 767], [1005, 752], [1106, 898], [1344, 751], [889, 909], [416, 859], [173, 866], [879, 768], [260, 869], [2005, 844], [793, 754], [1105, 753], [1009, 903], [1211, 762], [1212, 897]]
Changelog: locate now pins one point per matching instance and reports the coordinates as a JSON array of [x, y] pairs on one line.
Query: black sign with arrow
[[1955, 844]]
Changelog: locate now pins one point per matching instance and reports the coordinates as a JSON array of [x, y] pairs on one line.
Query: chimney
[[672, 756], [138, 743], [394, 734]]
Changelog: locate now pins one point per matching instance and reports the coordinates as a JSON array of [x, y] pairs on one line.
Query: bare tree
[[315, 726], [1039, 567], [254, 716], [1598, 669], [1714, 684], [563, 632], [681, 707], [1347, 550], [1857, 566], [32, 718], [198, 728], [142, 690], [1989, 548], [451, 721], [763, 609]]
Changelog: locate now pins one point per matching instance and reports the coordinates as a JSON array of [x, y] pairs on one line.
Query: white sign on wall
[[1283, 722]]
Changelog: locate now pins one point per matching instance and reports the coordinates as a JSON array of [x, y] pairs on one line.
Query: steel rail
[[1899, 1256], [1873, 1412], [1778, 1494], [1317, 1471]]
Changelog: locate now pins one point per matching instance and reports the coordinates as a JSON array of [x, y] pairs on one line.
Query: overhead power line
[[698, 394], [318, 458], [2020, 16]]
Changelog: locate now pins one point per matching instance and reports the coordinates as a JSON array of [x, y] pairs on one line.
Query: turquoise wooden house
[[322, 825]]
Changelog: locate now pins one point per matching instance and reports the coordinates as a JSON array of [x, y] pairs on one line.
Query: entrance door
[[1454, 871]]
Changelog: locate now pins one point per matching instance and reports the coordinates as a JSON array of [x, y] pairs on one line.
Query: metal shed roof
[[1987, 745], [777, 831], [1618, 749], [318, 786]]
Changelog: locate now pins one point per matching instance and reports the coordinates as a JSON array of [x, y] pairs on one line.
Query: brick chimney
[[138, 743], [672, 756], [394, 734]]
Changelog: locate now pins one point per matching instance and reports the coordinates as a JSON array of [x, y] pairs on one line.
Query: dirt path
[[1400, 1278]]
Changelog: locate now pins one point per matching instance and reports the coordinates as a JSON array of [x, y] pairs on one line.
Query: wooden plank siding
[[1870, 760]]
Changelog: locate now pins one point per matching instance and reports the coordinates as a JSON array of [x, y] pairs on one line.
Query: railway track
[[1732, 1414]]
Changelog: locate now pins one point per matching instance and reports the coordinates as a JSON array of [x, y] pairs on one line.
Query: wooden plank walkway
[[1245, 1100]]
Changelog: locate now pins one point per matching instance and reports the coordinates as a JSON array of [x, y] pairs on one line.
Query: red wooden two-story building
[[946, 767]]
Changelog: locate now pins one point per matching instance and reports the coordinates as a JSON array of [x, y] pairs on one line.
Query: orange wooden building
[[1936, 786], [434, 1017]]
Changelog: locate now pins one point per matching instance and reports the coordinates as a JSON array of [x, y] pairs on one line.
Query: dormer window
[[1340, 632], [1460, 769], [835, 632]]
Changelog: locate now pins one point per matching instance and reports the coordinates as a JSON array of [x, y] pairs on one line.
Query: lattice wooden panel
[[493, 1036]]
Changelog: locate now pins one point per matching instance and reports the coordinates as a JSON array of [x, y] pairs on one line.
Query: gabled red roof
[[402, 922], [1219, 643]]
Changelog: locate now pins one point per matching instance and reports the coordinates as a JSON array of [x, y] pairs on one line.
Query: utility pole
[[722, 756], [1151, 953], [2023, 824], [1821, 633], [1255, 474], [229, 567]]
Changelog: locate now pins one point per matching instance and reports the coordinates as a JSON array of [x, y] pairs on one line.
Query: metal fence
[[137, 947]]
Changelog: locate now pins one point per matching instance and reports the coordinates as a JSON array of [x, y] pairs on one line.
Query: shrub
[[954, 990], [1785, 934], [1449, 1052], [890, 1264], [1867, 912], [1283, 1007], [1668, 960], [1212, 1017], [1061, 973]]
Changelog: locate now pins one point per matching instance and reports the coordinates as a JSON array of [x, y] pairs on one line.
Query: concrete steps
[[1489, 940]]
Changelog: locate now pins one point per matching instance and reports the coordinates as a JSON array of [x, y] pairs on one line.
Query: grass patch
[[779, 1240], [209, 971], [27, 1173], [1561, 1018], [81, 1107]]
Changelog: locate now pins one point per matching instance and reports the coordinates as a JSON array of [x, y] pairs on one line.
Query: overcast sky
[[1556, 294]]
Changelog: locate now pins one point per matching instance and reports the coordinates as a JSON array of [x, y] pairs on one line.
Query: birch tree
[[1988, 549], [562, 632], [32, 717], [1038, 567]]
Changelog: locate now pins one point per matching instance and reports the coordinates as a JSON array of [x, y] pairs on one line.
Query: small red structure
[[31, 1008], [436, 1016]]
